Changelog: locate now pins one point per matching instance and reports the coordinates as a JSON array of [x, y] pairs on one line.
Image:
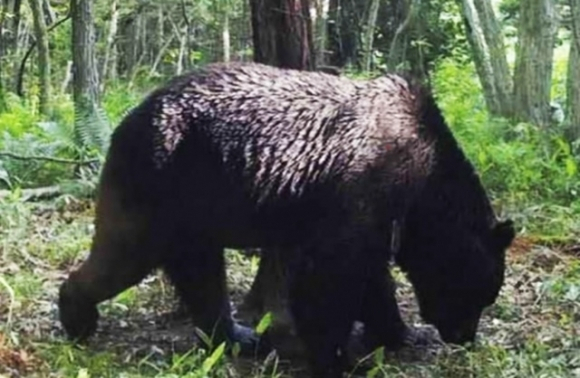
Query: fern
[[92, 130]]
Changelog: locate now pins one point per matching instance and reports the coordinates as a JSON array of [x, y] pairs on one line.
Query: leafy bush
[[530, 172], [18, 117]]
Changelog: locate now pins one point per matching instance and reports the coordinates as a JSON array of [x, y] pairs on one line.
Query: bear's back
[[297, 127]]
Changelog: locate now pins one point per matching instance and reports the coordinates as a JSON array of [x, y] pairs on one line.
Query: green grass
[[532, 331]]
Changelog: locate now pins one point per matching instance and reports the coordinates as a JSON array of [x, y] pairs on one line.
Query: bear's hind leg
[[197, 270]]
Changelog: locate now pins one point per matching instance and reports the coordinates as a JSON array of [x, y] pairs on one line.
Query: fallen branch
[[35, 194], [48, 158], [573, 249]]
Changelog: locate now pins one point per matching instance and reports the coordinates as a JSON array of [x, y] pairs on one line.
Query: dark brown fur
[[253, 156]]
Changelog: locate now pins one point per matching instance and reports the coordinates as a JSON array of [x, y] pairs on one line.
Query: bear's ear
[[504, 233]]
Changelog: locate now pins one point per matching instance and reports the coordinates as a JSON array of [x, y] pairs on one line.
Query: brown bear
[[320, 166]]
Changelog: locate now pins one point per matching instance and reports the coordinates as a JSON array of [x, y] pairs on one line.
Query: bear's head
[[456, 273]]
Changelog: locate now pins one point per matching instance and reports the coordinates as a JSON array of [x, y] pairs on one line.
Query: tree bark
[[282, 33], [282, 37], [369, 33], [9, 34], [182, 50], [85, 79], [485, 37], [534, 55], [41, 36], [573, 75], [3, 16], [321, 31], [108, 62], [345, 20], [49, 14], [226, 37], [398, 43]]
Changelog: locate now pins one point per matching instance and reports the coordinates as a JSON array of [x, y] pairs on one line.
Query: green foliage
[[17, 118], [92, 131], [532, 173]]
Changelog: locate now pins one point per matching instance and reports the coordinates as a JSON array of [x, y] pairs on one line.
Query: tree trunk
[[534, 55], [11, 24], [573, 76], [3, 17], [321, 29], [182, 50], [282, 37], [398, 44], [10, 32], [110, 46], [49, 15], [226, 37], [369, 33], [345, 20], [41, 36], [489, 54], [85, 78], [282, 33], [67, 77]]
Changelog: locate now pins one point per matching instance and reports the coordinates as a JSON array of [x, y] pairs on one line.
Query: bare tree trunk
[[369, 33], [487, 45], [282, 33], [534, 55], [321, 29], [573, 76], [41, 36], [282, 39], [226, 37], [345, 27], [67, 77], [110, 46], [189, 29], [3, 17], [85, 78], [159, 32], [397, 48], [12, 41], [12, 16], [160, 55], [49, 15], [182, 50]]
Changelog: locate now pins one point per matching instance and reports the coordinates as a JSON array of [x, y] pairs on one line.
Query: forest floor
[[532, 331]]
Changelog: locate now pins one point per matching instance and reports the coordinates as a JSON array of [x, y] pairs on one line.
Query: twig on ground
[[47, 158], [12, 301]]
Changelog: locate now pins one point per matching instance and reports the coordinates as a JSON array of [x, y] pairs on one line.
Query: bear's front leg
[[325, 289], [383, 324], [123, 252]]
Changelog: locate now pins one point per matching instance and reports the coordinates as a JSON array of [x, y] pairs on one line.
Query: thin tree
[[573, 75], [537, 29], [109, 66], [85, 78], [41, 36], [485, 37], [369, 33], [398, 43], [345, 26]]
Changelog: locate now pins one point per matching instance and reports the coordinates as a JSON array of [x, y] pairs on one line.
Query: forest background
[[505, 72]]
